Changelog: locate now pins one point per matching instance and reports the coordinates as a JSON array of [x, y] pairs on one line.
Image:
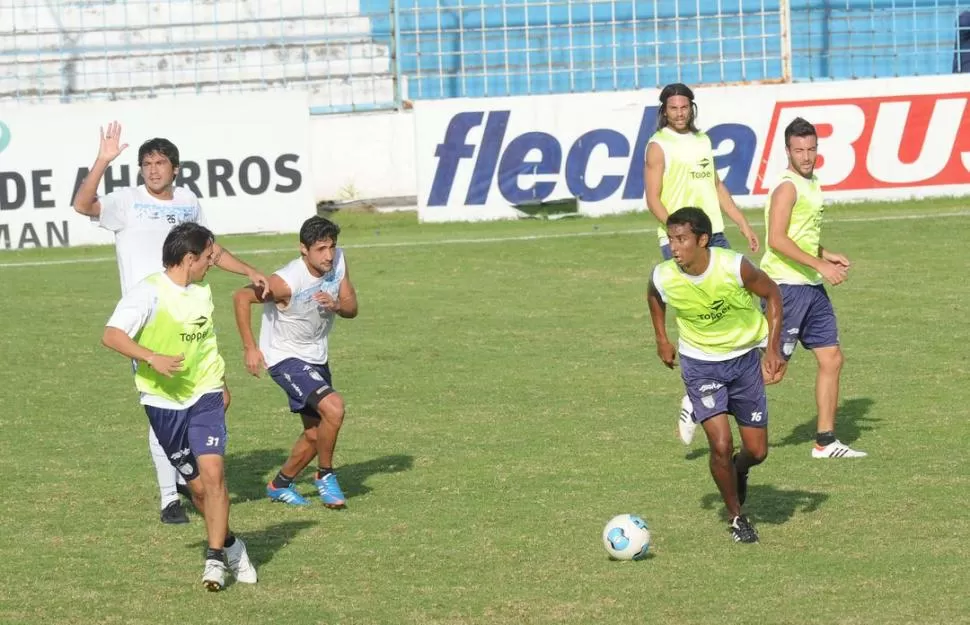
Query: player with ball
[[721, 328]]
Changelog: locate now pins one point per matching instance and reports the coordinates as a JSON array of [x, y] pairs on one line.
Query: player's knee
[[722, 448], [831, 360], [838, 360], [211, 480], [214, 487], [759, 454], [211, 475], [331, 408]]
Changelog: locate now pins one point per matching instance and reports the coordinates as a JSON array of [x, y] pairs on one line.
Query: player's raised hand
[[667, 354], [255, 362], [166, 365], [111, 145]]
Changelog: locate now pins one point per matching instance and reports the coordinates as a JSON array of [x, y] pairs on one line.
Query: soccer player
[[796, 260], [141, 217], [721, 330], [680, 172], [298, 314], [164, 323]]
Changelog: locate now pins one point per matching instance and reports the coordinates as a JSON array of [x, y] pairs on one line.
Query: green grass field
[[504, 401]]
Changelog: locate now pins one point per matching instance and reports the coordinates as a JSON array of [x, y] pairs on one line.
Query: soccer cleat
[[741, 530], [286, 495], [837, 449], [685, 423], [214, 575], [742, 481], [239, 563], [330, 493], [174, 514]]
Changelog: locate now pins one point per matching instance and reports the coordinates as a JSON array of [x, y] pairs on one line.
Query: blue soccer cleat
[[286, 495], [330, 493]]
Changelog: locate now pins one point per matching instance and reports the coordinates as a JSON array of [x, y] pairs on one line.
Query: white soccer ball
[[626, 537]]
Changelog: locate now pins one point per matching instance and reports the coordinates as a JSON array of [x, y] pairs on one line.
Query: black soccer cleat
[[741, 530], [174, 514]]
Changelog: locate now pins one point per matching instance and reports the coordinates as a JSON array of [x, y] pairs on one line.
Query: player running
[[298, 314], [721, 332]]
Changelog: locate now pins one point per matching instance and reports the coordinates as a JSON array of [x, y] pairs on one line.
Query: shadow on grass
[[247, 473], [767, 504], [263, 544], [851, 420]]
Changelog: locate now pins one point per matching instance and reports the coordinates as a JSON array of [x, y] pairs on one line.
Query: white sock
[[164, 470]]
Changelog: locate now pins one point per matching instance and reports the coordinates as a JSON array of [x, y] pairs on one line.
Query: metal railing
[[357, 55], [68, 50]]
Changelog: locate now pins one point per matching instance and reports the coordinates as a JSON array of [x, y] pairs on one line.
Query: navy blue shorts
[[186, 434], [734, 387], [807, 317], [717, 240], [305, 383]]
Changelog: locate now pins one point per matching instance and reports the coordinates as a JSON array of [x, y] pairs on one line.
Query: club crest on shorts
[[313, 373], [708, 401]]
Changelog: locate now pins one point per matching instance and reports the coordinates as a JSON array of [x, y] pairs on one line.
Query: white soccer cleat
[[685, 422], [837, 449], [214, 575], [239, 563]]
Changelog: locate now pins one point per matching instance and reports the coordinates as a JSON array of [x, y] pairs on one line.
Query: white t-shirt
[[133, 312], [140, 223], [300, 330]]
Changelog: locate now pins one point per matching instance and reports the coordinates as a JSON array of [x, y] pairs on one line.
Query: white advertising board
[[245, 156], [878, 139]]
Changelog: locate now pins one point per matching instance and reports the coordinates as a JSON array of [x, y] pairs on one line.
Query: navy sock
[[282, 481], [215, 554], [824, 438]]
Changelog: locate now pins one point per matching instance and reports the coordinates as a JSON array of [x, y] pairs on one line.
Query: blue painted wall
[[615, 45]]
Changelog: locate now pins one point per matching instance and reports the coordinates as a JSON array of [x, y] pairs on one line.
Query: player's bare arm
[[86, 200], [759, 284], [734, 213], [243, 300], [653, 176], [658, 316], [779, 218], [119, 341], [222, 259]]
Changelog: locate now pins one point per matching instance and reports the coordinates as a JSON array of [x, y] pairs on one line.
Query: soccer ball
[[626, 537]]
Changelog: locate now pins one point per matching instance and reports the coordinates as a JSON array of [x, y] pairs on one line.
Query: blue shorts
[[305, 384], [717, 240], [807, 317], [734, 387], [186, 434]]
